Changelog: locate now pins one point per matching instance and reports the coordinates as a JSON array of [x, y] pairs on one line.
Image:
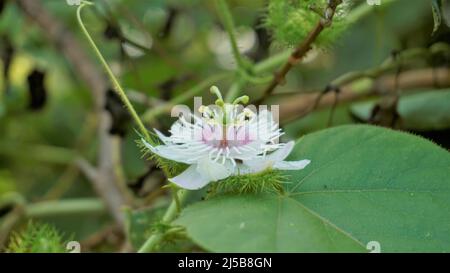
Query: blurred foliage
[[159, 49], [364, 182], [420, 112], [285, 17]]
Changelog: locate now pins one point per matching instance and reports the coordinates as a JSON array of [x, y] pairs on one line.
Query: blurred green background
[[47, 117]]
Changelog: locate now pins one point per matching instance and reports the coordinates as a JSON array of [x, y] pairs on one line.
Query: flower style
[[224, 142]]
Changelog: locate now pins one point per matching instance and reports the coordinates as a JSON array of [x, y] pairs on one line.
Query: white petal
[[168, 152], [267, 128], [182, 132], [291, 165], [190, 179], [176, 128], [281, 153], [213, 171], [241, 169], [161, 136], [256, 165]]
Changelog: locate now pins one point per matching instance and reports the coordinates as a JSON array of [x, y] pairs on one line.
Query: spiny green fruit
[[292, 20], [37, 238], [265, 181]]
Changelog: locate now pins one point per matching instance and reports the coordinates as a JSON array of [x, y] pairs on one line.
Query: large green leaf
[[423, 111], [364, 184]]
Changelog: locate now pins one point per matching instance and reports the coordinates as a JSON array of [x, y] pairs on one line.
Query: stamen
[[196, 118], [218, 155], [248, 148], [228, 152], [229, 147], [202, 109], [248, 112], [211, 153], [216, 114], [233, 161], [276, 136]]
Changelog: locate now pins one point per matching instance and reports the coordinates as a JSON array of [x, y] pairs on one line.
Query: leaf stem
[[117, 87], [169, 216]]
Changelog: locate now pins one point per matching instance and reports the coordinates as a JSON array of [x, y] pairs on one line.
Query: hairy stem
[[117, 87]]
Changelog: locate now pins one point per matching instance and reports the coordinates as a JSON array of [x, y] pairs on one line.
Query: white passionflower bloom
[[224, 142]]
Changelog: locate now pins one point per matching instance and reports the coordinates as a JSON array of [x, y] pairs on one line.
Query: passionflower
[[225, 140]]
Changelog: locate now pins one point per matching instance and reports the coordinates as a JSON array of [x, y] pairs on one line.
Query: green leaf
[[364, 184], [265, 223], [423, 111]]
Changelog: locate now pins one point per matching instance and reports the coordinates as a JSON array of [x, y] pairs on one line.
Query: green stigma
[[220, 103], [242, 99], [214, 90]]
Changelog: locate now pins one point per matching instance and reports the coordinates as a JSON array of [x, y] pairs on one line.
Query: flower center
[[226, 136]]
